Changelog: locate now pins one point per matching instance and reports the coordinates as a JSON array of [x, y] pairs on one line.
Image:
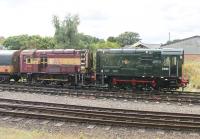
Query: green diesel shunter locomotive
[[141, 68]]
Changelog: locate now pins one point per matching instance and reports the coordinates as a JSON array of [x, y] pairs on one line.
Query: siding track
[[97, 115], [174, 96]]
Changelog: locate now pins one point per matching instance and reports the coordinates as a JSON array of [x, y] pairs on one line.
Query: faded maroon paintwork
[[47, 68]]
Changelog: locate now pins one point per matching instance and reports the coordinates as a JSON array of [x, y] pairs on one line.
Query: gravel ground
[[151, 106], [82, 131], [101, 132]]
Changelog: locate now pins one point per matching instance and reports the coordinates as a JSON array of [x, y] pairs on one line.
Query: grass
[[12, 133], [192, 71]]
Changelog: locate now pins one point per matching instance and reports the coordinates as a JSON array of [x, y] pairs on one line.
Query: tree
[[2, 39], [87, 41], [29, 42], [48, 43], [128, 38], [66, 31], [112, 39], [16, 42]]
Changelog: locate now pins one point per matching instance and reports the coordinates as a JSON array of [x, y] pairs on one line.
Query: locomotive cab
[[172, 64], [172, 61]]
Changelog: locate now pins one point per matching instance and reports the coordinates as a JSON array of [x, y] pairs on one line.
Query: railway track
[[174, 97], [97, 115]]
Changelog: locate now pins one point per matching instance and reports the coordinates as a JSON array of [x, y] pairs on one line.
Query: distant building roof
[[190, 45], [143, 45]]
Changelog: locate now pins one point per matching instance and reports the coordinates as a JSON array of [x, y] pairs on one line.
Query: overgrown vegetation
[[192, 71], [12, 133]]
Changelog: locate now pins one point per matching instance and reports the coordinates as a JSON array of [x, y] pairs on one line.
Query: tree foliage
[[28, 42], [126, 38], [87, 41], [104, 45], [112, 39], [66, 31], [2, 39]]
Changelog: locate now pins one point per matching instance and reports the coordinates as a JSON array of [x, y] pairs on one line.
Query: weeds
[[192, 72]]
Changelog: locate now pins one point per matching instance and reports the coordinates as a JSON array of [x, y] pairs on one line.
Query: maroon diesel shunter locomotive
[[58, 65]]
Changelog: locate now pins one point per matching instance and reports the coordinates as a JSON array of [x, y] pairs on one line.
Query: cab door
[[166, 66], [27, 64], [174, 66], [43, 64]]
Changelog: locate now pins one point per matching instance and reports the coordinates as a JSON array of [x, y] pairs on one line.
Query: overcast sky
[[152, 19]]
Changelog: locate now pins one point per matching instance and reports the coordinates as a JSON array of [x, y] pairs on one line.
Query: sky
[[152, 19]]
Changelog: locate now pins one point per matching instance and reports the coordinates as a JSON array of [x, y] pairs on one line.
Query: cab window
[[28, 60], [174, 61], [166, 61], [43, 60]]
